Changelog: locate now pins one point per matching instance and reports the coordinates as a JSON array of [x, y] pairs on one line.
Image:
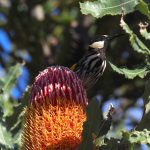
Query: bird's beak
[[115, 36]]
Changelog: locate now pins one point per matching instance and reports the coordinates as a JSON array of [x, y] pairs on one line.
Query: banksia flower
[[56, 112]]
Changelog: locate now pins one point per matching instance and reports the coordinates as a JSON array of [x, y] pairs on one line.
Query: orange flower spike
[[54, 118]]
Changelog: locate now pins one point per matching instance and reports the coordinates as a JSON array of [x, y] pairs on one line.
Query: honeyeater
[[92, 65]]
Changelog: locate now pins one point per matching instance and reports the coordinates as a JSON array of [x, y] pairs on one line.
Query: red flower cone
[[54, 118]]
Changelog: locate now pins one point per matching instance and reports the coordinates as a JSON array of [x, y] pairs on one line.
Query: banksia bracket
[[56, 112]]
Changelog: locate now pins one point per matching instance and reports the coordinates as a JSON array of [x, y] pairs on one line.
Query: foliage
[[55, 32], [98, 9], [144, 31], [126, 141], [10, 110], [130, 74], [136, 43], [101, 8], [6, 84]]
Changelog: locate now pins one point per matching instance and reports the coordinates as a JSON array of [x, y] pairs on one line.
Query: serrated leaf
[[127, 141], [14, 123], [19, 111], [136, 43], [111, 144], [17, 123], [143, 8], [7, 107], [7, 83], [12, 76], [137, 137], [5, 137], [101, 8], [17, 139], [99, 141], [130, 74]]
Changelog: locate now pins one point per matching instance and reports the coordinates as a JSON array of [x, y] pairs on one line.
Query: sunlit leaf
[[19, 110], [12, 76], [136, 43], [130, 74], [7, 83], [137, 137], [127, 140], [15, 123], [101, 8], [145, 34], [110, 144], [5, 137], [143, 8]]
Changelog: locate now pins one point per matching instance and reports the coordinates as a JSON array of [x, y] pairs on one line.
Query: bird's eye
[[99, 44]]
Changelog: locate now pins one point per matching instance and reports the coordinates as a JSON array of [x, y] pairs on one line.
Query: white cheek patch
[[105, 36], [99, 44]]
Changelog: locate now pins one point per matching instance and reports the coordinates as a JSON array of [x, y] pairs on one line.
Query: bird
[[92, 65]]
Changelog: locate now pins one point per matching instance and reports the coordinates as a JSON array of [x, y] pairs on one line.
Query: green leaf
[[5, 137], [127, 140], [136, 43], [144, 31], [145, 34], [12, 76], [112, 144], [130, 74], [14, 123], [137, 137], [143, 8], [101, 8], [6, 84], [145, 121]]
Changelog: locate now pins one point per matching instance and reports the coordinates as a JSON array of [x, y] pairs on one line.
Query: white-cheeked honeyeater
[[93, 64]]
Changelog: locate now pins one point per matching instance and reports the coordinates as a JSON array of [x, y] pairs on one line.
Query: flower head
[[54, 118], [58, 83]]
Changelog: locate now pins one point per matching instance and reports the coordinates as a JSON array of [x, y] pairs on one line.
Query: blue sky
[[5, 55]]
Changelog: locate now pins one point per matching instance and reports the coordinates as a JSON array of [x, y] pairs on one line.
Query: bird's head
[[102, 41]]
